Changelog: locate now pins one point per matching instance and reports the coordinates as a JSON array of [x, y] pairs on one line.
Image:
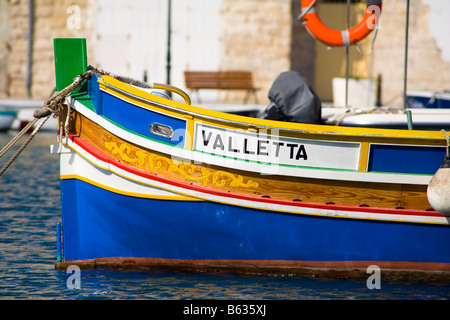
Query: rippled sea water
[[30, 208]]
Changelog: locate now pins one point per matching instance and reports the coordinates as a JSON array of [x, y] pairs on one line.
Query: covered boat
[[150, 182]]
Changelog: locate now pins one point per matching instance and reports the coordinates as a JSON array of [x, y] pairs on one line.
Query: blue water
[[30, 208]]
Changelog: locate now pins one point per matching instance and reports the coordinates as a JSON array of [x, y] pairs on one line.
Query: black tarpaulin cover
[[292, 100]]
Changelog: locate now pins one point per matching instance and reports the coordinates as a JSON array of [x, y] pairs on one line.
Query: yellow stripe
[[126, 193], [190, 134], [143, 94], [364, 157]]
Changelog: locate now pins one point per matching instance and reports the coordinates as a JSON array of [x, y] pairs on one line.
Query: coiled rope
[[53, 105]]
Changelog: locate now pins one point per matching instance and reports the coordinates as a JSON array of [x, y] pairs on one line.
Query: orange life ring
[[338, 38]]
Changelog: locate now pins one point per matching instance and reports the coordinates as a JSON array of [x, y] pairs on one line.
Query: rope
[[31, 136], [51, 106], [142, 84], [17, 137], [127, 80], [372, 44], [54, 103]]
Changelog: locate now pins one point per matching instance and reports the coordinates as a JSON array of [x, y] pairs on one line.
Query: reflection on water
[[30, 208]]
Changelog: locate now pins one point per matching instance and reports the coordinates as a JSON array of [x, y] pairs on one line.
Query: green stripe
[[274, 164]]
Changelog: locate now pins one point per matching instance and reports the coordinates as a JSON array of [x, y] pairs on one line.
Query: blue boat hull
[[124, 226]]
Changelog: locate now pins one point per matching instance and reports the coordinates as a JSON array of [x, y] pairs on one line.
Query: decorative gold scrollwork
[[189, 171]]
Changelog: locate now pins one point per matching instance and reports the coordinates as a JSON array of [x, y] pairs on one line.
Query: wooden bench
[[221, 80]]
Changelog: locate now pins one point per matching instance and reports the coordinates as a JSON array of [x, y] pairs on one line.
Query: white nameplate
[[275, 149]]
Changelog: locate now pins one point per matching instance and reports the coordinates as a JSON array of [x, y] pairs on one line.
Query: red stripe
[[101, 156]]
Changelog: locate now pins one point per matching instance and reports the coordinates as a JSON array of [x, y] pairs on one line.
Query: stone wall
[[303, 47], [4, 47], [331, 62], [426, 68], [52, 19], [17, 44], [256, 37], [55, 19]]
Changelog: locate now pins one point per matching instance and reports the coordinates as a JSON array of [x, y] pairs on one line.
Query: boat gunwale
[[256, 123]]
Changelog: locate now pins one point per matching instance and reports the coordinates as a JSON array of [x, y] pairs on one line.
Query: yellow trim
[[364, 156], [189, 136], [225, 118], [180, 92], [104, 86], [126, 193]]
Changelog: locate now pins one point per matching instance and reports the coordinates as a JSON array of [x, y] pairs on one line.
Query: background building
[[263, 36]]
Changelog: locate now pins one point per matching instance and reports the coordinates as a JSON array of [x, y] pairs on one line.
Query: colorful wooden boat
[[150, 182]]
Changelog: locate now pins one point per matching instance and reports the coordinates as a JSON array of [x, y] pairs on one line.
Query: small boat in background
[[23, 110], [148, 182], [6, 119], [429, 99], [388, 118]]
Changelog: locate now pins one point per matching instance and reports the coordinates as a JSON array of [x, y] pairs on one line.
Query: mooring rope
[[17, 137], [53, 106], [27, 141], [128, 80]]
